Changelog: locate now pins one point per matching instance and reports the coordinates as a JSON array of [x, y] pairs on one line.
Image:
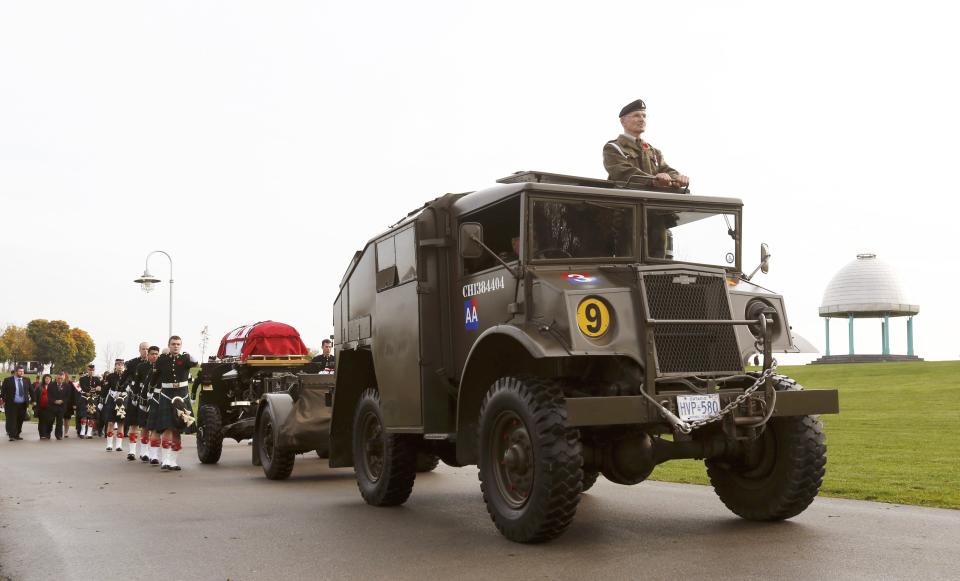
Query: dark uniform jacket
[[625, 157], [126, 380], [89, 391], [324, 361]]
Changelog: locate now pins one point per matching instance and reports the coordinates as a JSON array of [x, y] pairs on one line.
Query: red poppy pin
[[646, 146], [179, 362]]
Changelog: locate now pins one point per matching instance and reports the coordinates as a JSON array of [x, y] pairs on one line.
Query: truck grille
[[691, 348]]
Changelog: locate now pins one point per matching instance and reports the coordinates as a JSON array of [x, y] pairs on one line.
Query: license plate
[[698, 407]]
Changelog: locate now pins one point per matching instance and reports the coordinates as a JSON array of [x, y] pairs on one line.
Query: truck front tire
[[209, 436], [385, 464], [530, 461], [783, 475]]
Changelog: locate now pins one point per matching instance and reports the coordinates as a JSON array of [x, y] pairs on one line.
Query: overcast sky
[[261, 144]]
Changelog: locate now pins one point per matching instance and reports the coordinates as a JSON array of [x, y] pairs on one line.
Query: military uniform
[[115, 408], [324, 361], [88, 399], [172, 377], [145, 400], [626, 157]]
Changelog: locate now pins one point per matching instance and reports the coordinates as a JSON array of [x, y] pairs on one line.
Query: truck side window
[[396, 260], [406, 256], [501, 233]]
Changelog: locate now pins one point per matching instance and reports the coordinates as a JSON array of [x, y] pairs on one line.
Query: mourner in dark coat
[[16, 395], [47, 405], [62, 390]]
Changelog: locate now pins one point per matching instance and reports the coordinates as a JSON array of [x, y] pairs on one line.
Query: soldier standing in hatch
[[172, 373], [89, 397], [113, 406], [628, 155], [132, 400]]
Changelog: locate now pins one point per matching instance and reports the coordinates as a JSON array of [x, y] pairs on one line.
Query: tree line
[[49, 342]]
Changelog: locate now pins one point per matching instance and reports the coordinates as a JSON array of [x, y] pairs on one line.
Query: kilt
[[110, 409], [166, 417], [133, 411], [81, 407]]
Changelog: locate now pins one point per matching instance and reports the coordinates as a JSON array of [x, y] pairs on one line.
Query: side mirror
[[471, 237], [764, 258]]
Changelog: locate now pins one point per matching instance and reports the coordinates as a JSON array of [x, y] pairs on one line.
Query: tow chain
[[686, 428]]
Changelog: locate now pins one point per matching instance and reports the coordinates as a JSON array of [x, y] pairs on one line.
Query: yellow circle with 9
[[593, 317]]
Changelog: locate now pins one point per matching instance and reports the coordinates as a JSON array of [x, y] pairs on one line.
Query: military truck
[[552, 328]]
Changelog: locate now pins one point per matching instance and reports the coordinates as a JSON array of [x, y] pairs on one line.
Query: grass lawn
[[896, 439]]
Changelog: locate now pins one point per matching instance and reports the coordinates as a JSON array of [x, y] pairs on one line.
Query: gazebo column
[[826, 324], [850, 332], [910, 336], [886, 334]]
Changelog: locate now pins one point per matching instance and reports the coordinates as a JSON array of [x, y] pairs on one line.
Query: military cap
[[637, 105], [91, 366], [118, 361]]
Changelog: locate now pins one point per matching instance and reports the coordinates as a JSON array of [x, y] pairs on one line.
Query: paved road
[[70, 510]]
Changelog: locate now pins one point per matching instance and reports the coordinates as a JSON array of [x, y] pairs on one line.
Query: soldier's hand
[[662, 179], [683, 181]]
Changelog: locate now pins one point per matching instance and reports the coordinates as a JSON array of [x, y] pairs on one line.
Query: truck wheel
[[427, 462], [589, 479], [209, 436], [385, 464], [782, 476], [529, 460], [277, 463]]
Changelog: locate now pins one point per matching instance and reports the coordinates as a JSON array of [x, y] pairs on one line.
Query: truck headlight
[[756, 308]]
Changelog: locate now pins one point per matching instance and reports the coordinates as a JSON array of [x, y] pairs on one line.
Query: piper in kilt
[[174, 410], [114, 407], [87, 401], [144, 378], [131, 420]]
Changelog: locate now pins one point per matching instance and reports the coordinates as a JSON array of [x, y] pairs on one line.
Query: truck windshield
[[581, 229], [702, 237]]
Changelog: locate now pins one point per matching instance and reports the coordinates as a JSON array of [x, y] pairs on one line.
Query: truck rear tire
[[385, 464], [530, 461], [785, 474], [277, 463], [427, 462], [209, 434]]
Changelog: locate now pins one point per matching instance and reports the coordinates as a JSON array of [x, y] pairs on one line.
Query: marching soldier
[[88, 398], [174, 411], [629, 156], [132, 401], [114, 406], [147, 403]]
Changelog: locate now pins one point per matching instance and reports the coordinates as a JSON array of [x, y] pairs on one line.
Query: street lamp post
[[148, 282]]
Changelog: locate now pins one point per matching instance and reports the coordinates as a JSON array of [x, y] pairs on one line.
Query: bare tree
[[111, 351]]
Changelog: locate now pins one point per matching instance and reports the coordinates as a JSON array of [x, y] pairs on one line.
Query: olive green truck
[[551, 329]]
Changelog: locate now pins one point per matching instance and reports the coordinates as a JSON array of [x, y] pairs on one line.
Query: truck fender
[[281, 404]]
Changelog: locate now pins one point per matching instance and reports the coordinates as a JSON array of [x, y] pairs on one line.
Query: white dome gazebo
[[867, 289]]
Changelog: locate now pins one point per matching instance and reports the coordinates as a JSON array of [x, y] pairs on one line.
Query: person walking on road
[[172, 377], [60, 390], [46, 401], [15, 392]]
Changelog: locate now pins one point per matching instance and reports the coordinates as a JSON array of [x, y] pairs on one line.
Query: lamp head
[[147, 281]]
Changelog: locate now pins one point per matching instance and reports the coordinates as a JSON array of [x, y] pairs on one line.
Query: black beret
[[637, 105]]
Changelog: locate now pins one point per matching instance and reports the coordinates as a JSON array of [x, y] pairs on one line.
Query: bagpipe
[[183, 412], [120, 401]]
